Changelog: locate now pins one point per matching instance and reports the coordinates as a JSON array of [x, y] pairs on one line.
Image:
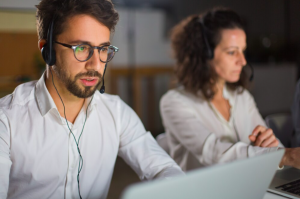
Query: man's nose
[[94, 62]]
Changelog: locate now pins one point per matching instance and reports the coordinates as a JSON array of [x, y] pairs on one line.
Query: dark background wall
[[272, 21]]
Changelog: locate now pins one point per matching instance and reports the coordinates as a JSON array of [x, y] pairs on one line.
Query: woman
[[212, 118]]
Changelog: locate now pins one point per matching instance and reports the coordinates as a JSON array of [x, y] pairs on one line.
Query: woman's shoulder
[[175, 92], [243, 94], [181, 95]]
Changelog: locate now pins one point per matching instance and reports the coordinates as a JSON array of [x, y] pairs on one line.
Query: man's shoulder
[[20, 96], [108, 100], [112, 105]]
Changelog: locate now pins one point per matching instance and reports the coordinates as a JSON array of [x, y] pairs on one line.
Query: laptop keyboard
[[291, 187]]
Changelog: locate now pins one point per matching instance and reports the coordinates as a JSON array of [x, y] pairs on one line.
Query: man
[[59, 137]]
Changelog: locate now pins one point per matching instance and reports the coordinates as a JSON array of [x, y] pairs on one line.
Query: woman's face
[[229, 56]]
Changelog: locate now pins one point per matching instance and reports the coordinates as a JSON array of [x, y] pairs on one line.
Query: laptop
[[247, 179], [286, 182]]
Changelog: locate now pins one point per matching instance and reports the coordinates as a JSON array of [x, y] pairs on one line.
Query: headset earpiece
[[44, 53], [48, 53], [209, 54]]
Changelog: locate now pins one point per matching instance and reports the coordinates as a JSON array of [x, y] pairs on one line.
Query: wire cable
[[77, 142]]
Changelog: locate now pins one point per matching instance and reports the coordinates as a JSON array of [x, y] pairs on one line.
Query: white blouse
[[198, 135], [228, 126]]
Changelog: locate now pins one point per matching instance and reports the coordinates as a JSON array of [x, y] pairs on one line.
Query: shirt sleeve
[[5, 162], [139, 149], [182, 122]]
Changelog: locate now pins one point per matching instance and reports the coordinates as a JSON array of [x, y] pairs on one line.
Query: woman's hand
[[263, 137]]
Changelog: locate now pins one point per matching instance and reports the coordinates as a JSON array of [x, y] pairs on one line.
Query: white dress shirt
[[199, 136], [39, 157]]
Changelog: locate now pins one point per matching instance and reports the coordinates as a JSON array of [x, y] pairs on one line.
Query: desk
[[269, 195]]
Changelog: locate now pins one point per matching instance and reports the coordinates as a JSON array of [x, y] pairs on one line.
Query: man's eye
[[80, 49], [231, 52], [104, 49]]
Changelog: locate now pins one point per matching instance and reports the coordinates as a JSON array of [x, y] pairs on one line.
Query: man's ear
[[41, 43]]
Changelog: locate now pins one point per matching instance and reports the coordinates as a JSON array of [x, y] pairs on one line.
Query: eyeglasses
[[84, 52]]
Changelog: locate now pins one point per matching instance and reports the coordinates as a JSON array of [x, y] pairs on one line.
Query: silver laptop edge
[[248, 178]]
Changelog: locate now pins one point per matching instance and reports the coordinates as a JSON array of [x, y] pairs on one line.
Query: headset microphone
[[102, 89]]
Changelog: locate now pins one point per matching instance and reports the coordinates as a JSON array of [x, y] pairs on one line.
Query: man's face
[[80, 78]]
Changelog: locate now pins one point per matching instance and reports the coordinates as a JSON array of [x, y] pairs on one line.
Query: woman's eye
[[231, 52]]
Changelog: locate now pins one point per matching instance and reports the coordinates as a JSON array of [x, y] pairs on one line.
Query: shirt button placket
[[73, 162]]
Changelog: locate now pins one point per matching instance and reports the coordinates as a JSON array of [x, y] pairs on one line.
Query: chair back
[[282, 126]]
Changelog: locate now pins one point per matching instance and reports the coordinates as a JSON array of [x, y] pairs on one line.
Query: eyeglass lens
[[84, 52]]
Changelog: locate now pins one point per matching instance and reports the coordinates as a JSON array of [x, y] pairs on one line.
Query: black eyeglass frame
[[99, 48]]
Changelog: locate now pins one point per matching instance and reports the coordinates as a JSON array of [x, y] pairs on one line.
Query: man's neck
[[72, 103]]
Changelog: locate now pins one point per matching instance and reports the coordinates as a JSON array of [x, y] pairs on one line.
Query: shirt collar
[[90, 102], [46, 103], [44, 99]]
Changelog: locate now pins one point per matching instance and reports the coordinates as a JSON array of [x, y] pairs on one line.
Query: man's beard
[[71, 85]]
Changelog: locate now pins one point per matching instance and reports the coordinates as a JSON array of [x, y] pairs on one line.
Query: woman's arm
[[181, 121]]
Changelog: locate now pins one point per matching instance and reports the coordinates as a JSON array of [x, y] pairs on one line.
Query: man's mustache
[[91, 73]]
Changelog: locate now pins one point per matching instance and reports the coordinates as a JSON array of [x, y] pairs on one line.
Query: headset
[[49, 54], [209, 53]]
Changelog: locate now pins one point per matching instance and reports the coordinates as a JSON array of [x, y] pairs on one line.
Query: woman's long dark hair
[[190, 51]]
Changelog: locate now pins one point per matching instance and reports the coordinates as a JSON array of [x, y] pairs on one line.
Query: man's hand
[[291, 157], [263, 137]]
